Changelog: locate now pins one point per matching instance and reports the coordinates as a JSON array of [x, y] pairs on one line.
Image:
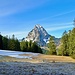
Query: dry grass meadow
[[38, 59], [38, 65]]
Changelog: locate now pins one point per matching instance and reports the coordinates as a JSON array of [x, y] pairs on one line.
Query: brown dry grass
[[39, 59], [55, 58]]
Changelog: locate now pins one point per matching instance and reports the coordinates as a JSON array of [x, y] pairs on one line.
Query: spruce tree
[[72, 42], [13, 44], [24, 46], [52, 46], [64, 44], [17, 45], [5, 43], [36, 48], [29, 45], [1, 42]]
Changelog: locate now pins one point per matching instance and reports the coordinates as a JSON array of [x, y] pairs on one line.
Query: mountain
[[39, 35]]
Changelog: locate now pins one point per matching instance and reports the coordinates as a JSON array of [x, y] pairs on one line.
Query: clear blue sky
[[20, 16]]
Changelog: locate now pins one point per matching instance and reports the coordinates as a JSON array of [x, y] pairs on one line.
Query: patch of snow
[[17, 54], [45, 40], [38, 26]]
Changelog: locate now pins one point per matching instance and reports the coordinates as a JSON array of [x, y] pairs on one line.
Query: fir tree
[[1, 43], [64, 44], [24, 46], [30, 45], [72, 42], [13, 44], [52, 46], [17, 45], [5, 43]]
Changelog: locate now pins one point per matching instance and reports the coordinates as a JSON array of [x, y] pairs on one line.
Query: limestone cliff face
[[39, 35]]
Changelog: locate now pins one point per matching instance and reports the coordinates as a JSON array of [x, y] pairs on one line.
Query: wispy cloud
[[61, 14], [17, 34], [59, 24], [54, 16], [59, 27], [8, 7]]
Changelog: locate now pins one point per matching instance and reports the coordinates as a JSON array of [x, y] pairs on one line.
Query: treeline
[[30, 47], [67, 46], [14, 44]]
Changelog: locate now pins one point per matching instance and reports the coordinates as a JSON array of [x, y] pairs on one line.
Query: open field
[[39, 64], [12, 56], [40, 58], [26, 68]]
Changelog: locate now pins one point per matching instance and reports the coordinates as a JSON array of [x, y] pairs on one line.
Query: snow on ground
[[17, 54]]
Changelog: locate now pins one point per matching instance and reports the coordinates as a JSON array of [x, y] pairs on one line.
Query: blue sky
[[20, 16]]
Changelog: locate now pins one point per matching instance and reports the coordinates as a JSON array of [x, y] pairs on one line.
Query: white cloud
[[8, 7], [57, 15], [18, 34], [58, 28], [61, 14]]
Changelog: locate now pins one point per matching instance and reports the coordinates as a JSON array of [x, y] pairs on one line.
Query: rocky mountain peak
[[38, 26], [39, 35]]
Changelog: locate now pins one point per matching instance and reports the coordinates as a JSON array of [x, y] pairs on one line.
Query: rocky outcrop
[[39, 35]]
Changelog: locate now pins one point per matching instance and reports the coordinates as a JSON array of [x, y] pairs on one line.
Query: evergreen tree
[[5, 43], [13, 44], [67, 46], [1, 43], [64, 44], [30, 45], [24, 46], [17, 45], [36, 48], [52, 46], [72, 42]]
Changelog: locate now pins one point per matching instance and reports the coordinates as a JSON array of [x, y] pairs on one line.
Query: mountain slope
[[39, 35]]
